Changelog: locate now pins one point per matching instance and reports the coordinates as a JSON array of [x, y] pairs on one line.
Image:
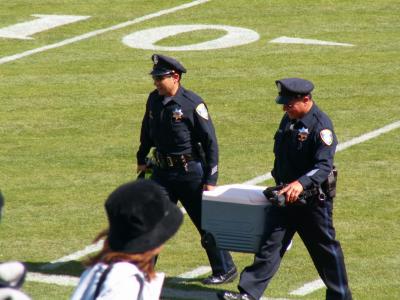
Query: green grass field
[[70, 121]]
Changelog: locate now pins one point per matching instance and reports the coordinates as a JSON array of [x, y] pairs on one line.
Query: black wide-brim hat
[[141, 217]]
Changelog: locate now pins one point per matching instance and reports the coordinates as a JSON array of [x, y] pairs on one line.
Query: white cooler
[[235, 216]]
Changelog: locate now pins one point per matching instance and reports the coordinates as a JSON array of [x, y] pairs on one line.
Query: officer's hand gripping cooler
[[315, 195]]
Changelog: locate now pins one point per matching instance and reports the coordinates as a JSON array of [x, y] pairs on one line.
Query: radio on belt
[[234, 217]]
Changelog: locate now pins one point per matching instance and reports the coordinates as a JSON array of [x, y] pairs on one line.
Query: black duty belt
[[165, 161]]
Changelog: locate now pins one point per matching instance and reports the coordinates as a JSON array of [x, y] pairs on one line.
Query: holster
[[329, 185]]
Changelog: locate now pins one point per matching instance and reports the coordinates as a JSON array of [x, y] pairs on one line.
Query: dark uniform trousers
[[187, 187], [314, 225]]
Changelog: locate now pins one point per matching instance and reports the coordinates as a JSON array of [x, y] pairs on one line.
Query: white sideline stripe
[[79, 254], [308, 288], [73, 281], [74, 256], [342, 146], [368, 136], [290, 40], [52, 279], [196, 272], [87, 35], [259, 179], [192, 274]]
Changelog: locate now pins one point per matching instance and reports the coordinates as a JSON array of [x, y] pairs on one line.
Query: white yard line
[[342, 146], [367, 136], [72, 281], [195, 273], [74, 256], [308, 288], [52, 279], [259, 179], [88, 35]]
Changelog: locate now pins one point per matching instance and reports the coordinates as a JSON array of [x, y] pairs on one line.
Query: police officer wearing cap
[[304, 149], [177, 124]]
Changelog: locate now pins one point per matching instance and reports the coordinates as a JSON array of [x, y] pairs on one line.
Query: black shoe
[[222, 278], [225, 295]]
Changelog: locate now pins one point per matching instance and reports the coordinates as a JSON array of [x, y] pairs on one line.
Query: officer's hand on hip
[[208, 187], [140, 168], [292, 191]]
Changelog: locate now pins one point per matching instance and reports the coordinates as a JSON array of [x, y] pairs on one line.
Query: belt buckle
[[170, 163]]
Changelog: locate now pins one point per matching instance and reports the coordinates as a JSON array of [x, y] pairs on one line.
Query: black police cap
[[164, 65], [291, 88]]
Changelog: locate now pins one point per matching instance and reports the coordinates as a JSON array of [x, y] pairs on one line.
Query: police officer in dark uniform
[[304, 149], [178, 125]]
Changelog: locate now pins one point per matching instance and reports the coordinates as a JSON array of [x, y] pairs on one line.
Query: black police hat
[[141, 217], [291, 88], [164, 65]]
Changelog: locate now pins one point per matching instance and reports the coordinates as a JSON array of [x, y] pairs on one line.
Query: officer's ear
[[176, 77], [306, 99]]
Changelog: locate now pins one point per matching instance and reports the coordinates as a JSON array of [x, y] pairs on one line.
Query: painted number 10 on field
[[144, 39]]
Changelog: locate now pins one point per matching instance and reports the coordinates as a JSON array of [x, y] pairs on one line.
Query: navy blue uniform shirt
[[175, 128], [304, 149]]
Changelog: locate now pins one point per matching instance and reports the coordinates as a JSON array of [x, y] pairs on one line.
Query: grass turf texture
[[70, 121]]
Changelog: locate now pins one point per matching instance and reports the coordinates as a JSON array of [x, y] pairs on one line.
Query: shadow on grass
[[173, 288], [194, 285], [70, 268]]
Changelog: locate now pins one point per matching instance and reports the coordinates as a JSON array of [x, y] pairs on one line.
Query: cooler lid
[[237, 193]]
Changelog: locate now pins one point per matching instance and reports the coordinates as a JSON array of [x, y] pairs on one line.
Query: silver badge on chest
[[303, 134], [177, 114]]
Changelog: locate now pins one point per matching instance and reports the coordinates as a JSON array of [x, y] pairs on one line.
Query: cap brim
[[160, 72], [283, 99], [163, 231]]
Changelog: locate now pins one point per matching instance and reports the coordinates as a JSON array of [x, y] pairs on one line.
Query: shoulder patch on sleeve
[[326, 136], [202, 111]]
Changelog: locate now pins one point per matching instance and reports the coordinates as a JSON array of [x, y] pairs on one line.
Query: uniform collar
[[178, 97], [308, 119]]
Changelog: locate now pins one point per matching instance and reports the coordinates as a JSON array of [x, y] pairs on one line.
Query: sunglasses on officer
[[292, 103], [161, 77]]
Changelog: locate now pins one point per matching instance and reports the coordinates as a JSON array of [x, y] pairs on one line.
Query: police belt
[[165, 161]]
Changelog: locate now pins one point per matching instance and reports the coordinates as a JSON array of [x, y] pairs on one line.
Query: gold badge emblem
[[177, 114], [303, 134]]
